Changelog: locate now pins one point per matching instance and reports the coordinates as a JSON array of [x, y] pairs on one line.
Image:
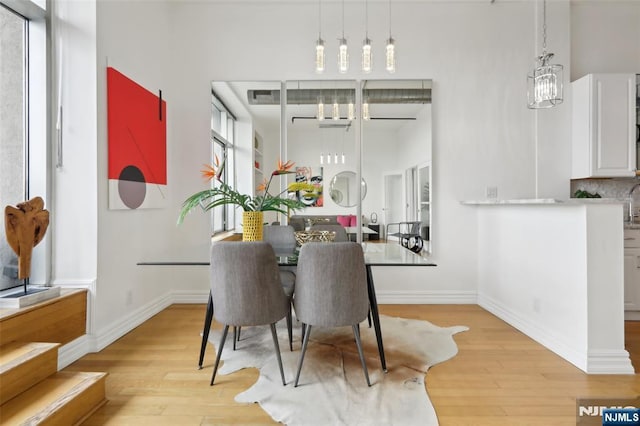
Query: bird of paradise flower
[[222, 194]]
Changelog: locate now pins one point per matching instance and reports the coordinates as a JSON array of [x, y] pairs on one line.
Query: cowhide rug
[[332, 389]]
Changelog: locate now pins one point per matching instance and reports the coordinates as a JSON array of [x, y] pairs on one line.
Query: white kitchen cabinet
[[632, 270], [604, 126]]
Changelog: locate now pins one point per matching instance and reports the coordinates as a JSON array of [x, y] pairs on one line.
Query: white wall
[[614, 50], [477, 53]]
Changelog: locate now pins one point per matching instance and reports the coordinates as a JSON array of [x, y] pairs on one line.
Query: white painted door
[[393, 198], [411, 181], [424, 207]]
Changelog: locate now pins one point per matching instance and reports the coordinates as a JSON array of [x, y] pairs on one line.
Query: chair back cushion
[[281, 238], [245, 284], [331, 284]]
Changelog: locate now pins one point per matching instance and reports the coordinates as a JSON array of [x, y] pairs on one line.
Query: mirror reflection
[[321, 136], [321, 120], [396, 157], [343, 189]]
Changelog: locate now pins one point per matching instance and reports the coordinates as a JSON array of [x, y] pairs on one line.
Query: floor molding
[[72, 351], [595, 362], [601, 362], [430, 297], [119, 328]]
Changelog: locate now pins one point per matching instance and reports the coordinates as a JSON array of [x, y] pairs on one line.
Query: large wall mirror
[[315, 124], [396, 155]]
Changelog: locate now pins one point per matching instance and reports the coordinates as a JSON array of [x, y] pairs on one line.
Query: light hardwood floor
[[499, 376]]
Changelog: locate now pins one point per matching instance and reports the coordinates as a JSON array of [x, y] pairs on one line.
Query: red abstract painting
[[137, 136]]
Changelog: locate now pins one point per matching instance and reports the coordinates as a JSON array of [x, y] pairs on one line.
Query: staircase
[[32, 391]]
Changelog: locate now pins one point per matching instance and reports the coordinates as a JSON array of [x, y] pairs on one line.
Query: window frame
[[37, 117], [225, 138]]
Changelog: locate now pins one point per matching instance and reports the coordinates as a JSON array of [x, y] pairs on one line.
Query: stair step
[[65, 398], [23, 364]]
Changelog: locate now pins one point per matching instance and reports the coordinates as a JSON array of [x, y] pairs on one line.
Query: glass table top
[[375, 254]]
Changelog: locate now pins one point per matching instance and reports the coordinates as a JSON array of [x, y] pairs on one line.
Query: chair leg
[[239, 330], [369, 317], [277, 346], [356, 333], [215, 367], [307, 331], [235, 333], [290, 328]]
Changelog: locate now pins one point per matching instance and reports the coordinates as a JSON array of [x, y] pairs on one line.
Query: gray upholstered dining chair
[[246, 290], [341, 233], [281, 237], [331, 291]]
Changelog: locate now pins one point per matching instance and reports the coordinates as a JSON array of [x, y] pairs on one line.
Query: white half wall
[[555, 273]]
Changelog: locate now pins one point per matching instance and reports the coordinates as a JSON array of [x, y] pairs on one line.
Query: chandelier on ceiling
[[544, 84]]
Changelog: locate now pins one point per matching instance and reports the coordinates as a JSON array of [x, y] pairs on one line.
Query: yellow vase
[[252, 223]]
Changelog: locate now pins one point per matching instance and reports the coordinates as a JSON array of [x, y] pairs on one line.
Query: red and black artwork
[[137, 126]]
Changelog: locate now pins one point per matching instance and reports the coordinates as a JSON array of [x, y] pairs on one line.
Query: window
[[13, 147], [19, 48], [222, 136]]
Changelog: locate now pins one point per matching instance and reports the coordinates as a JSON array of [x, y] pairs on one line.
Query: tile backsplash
[[618, 188], [607, 188]]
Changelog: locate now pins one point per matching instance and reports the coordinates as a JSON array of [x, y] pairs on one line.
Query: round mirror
[[343, 189]]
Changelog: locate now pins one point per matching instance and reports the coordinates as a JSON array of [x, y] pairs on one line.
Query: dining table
[[375, 254]]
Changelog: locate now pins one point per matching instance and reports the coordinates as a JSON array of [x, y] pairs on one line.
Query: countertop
[[546, 201], [554, 202]]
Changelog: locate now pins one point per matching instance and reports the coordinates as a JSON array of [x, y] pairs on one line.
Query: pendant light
[[343, 52], [390, 53], [366, 44], [335, 112], [545, 83], [319, 43], [320, 112], [365, 110], [351, 111]]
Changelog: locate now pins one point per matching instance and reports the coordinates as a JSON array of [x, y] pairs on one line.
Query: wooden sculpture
[[25, 226]]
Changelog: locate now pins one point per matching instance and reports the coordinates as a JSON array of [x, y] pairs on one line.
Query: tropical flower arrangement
[[222, 194]]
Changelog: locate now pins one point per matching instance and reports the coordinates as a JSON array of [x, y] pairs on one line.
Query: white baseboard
[[600, 362], [189, 297], [73, 351], [427, 297], [108, 335], [74, 283], [89, 343], [609, 362], [632, 315]]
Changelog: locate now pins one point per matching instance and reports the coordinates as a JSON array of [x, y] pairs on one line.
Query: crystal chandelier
[[544, 84]]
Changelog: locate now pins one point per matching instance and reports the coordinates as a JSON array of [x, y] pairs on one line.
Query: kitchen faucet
[[631, 203]]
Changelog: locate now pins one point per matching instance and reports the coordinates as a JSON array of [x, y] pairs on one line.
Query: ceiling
[[391, 101]]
